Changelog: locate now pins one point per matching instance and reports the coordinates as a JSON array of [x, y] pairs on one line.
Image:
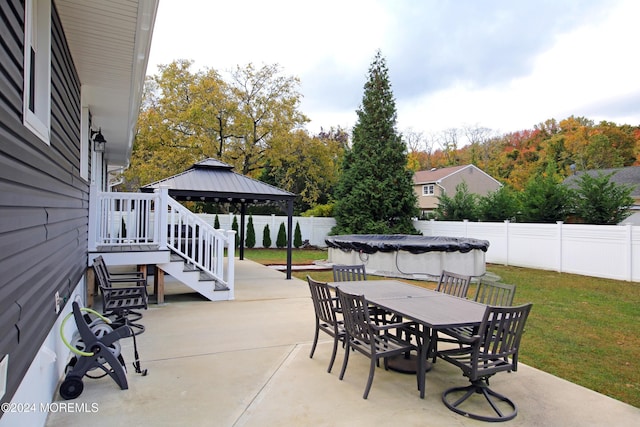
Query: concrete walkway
[[246, 363]]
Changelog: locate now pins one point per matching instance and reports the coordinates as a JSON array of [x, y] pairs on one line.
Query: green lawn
[[583, 329]]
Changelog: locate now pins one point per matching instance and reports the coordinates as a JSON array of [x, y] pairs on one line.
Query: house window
[[37, 68], [428, 190]]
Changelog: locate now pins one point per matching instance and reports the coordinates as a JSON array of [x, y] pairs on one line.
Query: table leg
[[422, 360]]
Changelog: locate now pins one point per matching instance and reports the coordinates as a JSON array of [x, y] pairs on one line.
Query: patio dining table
[[428, 308]]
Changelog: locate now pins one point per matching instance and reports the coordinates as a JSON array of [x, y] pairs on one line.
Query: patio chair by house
[[482, 356], [123, 277], [365, 336], [325, 305], [345, 273], [122, 301]]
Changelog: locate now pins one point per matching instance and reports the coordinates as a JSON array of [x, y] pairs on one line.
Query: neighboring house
[[70, 72], [623, 176], [431, 184]]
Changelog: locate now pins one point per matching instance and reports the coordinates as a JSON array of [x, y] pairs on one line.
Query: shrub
[[281, 240], [297, 236], [250, 241], [234, 226], [266, 237]]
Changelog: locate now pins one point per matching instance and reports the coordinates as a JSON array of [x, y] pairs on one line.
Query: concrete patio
[[246, 363]]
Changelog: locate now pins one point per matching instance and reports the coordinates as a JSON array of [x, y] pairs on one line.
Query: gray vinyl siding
[[43, 200]]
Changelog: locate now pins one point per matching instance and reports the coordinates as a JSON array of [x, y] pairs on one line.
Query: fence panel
[[608, 251]]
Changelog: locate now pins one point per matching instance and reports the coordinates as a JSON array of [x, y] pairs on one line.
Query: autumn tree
[[187, 116], [375, 192], [307, 166], [267, 111]]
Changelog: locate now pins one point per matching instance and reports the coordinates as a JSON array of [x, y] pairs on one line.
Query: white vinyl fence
[[609, 251]]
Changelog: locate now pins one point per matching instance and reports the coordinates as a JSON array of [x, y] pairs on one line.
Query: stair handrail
[[197, 241]]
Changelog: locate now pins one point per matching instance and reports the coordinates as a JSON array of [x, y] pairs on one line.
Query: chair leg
[[315, 342], [372, 371], [480, 387], [347, 350], [333, 354]]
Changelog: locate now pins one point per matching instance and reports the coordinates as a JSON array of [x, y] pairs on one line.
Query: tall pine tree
[[375, 193]]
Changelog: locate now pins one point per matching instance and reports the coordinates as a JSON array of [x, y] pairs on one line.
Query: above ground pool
[[402, 255]]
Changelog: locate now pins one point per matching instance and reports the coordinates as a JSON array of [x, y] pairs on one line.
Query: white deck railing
[[157, 221]]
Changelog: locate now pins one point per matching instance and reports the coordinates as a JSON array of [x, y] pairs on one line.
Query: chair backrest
[[100, 270], [345, 273], [355, 313], [453, 284], [495, 293], [324, 303], [501, 329]]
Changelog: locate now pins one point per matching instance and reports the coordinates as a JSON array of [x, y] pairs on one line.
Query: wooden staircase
[[195, 278]]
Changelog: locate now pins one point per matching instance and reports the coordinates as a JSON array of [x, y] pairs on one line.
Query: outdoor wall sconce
[[98, 140]]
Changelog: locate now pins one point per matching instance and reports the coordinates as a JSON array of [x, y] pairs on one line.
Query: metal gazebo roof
[[214, 181], [211, 180]]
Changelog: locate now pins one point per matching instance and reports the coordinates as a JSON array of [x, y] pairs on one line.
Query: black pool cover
[[371, 243]]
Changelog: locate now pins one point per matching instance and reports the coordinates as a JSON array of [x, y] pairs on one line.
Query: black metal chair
[[325, 305], [346, 273], [453, 284], [122, 277], [482, 356], [495, 293], [450, 284], [490, 293], [365, 336], [122, 301]]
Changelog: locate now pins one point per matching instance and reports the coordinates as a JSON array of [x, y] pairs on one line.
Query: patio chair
[[450, 284], [122, 301], [495, 293], [490, 293], [346, 273], [482, 356], [123, 277], [453, 284], [326, 307], [365, 336]]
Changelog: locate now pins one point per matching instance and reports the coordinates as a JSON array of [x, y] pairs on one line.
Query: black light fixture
[[98, 140]]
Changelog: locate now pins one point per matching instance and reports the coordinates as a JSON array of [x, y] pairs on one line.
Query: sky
[[499, 64]]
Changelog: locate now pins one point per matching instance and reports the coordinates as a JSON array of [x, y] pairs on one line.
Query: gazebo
[[211, 180]]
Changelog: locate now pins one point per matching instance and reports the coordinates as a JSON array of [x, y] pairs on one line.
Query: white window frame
[[37, 68], [429, 190]]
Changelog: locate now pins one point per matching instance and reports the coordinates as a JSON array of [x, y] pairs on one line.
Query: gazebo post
[[289, 234], [243, 210]]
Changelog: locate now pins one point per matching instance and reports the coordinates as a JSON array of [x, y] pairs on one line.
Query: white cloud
[[450, 64]]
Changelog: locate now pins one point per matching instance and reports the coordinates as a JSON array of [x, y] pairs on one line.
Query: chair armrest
[[136, 289], [140, 280], [137, 274]]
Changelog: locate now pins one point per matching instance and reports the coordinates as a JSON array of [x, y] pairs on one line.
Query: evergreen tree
[[499, 205], [281, 240], [297, 236], [266, 237], [250, 241], [234, 227], [545, 199], [216, 222], [463, 205], [600, 201], [375, 192]]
